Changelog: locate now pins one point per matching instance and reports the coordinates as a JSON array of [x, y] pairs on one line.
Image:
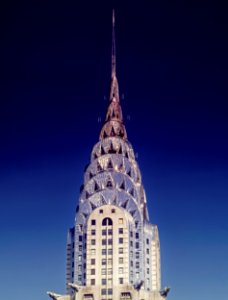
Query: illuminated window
[[103, 262], [109, 271], [120, 260], [92, 282], [121, 270], [121, 251], [103, 271], [120, 220]]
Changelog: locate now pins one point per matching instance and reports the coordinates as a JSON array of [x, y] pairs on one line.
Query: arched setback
[[107, 250]]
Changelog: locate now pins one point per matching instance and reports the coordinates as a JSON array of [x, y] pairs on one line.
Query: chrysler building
[[113, 251]]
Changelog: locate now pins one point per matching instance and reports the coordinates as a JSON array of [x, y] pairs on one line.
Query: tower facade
[[113, 251]]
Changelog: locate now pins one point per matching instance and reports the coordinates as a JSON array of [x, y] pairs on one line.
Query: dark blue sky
[[55, 71]]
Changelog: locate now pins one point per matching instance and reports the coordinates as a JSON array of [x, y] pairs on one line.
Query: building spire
[[113, 45], [114, 91], [114, 119]]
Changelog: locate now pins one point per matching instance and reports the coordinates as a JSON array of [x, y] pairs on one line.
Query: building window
[[104, 242], [101, 211], [110, 261], [148, 271], [148, 260], [121, 251], [137, 245], [93, 222], [137, 255], [147, 251], [79, 268], [103, 271], [80, 248], [103, 281], [131, 263], [80, 238], [121, 260], [72, 274], [109, 241], [113, 211], [137, 264], [131, 234], [107, 222], [93, 232], [72, 264], [103, 291], [109, 291], [121, 270], [109, 231], [147, 241], [131, 243], [120, 220], [109, 271], [93, 251], [103, 251], [120, 240], [93, 261], [120, 230], [131, 254], [109, 281], [92, 282], [79, 258], [121, 280], [137, 235], [93, 242], [104, 232], [109, 251], [93, 271], [103, 262]]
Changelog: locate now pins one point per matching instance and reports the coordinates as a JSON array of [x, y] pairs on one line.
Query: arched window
[[106, 222]]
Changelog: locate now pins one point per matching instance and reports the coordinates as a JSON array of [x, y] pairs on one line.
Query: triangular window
[[122, 186], [110, 166], [96, 186]]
